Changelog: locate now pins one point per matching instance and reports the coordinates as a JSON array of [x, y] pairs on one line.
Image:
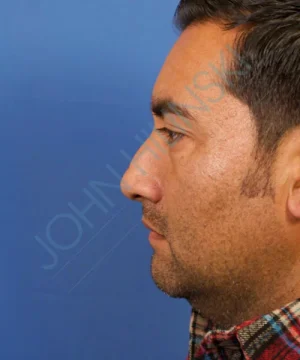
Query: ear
[[293, 203]]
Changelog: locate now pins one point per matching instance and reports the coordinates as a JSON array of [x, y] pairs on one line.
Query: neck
[[246, 300]]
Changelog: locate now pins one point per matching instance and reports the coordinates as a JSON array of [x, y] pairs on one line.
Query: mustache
[[156, 220]]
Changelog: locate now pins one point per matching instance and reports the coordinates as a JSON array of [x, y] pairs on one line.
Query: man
[[219, 177]]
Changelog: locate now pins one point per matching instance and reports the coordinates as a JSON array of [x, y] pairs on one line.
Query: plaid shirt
[[270, 337]]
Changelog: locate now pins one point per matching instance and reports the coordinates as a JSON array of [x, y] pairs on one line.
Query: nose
[[142, 178]]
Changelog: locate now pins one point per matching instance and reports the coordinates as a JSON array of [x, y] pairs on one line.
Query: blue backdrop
[[76, 81]]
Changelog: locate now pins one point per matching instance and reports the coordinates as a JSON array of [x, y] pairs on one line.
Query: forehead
[[195, 61], [200, 48]]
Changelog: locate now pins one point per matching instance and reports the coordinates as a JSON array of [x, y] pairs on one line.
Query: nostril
[[136, 197]]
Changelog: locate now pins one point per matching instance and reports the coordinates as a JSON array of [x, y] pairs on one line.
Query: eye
[[171, 136]]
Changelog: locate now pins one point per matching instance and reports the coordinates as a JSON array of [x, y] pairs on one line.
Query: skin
[[232, 256]]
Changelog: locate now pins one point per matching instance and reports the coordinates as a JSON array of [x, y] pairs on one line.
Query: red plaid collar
[[272, 336]]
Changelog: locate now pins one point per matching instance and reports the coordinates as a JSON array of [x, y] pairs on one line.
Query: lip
[[154, 237], [150, 228]]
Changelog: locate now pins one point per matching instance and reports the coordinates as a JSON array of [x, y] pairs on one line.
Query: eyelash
[[169, 135]]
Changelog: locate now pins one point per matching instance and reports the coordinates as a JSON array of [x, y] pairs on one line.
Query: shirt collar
[[248, 338]]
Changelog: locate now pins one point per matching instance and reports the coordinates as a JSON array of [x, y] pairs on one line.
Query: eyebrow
[[162, 106]]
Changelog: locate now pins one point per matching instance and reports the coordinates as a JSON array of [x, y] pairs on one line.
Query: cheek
[[198, 190], [186, 203], [194, 179]]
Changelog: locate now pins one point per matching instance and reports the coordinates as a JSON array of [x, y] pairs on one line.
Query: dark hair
[[268, 48]]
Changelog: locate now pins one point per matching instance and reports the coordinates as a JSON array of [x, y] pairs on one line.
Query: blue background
[[76, 81]]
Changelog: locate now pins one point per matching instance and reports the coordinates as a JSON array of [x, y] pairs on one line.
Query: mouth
[[148, 226], [154, 235]]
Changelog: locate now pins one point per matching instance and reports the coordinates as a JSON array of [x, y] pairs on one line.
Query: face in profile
[[201, 187]]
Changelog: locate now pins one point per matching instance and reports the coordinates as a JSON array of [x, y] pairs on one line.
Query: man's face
[[218, 242]]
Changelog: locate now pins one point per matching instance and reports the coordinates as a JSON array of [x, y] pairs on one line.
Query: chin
[[170, 291], [167, 280]]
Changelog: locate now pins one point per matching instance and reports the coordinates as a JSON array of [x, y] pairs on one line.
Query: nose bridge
[[143, 171]]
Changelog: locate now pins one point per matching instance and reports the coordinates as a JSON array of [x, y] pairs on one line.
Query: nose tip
[[140, 181], [138, 187], [128, 185], [125, 187]]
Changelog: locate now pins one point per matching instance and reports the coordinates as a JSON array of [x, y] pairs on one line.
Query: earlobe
[[294, 201]]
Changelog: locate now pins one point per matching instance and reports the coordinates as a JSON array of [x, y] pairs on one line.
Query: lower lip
[[154, 236]]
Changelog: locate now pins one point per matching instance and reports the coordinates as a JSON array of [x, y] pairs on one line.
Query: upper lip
[[148, 226]]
